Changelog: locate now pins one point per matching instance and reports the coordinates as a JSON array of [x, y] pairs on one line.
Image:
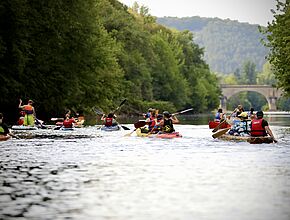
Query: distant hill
[[227, 44]]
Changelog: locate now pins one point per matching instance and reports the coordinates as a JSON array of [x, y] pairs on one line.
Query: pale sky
[[251, 11]]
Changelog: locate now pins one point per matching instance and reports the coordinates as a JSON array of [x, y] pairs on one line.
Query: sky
[[251, 11]]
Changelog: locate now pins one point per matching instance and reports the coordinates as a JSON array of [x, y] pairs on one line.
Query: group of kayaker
[[245, 123], [159, 122]]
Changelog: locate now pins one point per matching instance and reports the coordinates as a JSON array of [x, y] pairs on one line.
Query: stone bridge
[[271, 94]]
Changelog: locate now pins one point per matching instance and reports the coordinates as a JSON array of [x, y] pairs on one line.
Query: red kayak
[[213, 124], [169, 135]]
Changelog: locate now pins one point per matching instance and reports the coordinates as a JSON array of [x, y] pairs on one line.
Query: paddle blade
[[98, 111], [139, 124], [125, 128], [219, 125], [220, 132]]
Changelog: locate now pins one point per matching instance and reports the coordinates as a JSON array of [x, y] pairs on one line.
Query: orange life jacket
[[28, 109]]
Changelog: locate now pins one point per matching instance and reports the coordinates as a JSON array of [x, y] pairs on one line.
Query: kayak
[[22, 127], [4, 137], [251, 140], [66, 129], [111, 128], [169, 135], [60, 123], [213, 124], [158, 135]]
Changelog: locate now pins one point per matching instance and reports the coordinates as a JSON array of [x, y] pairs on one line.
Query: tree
[[266, 77], [249, 73], [278, 36]]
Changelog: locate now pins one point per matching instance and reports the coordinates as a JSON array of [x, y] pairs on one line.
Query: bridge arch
[[270, 93]]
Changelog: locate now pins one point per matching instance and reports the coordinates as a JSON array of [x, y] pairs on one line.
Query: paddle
[[181, 112], [219, 125], [99, 112], [220, 132], [13, 135], [137, 125], [125, 128], [57, 119], [223, 121], [39, 122], [122, 103]]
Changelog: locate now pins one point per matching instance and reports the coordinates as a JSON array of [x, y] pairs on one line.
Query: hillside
[[227, 44]]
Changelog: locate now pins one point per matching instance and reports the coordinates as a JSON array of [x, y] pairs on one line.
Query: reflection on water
[[89, 174]]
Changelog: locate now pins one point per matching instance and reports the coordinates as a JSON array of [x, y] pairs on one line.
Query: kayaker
[[238, 111], [29, 117], [251, 114], [68, 121], [242, 125], [80, 118], [167, 122], [109, 120], [152, 122], [219, 115], [260, 127], [21, 118], [3, 127], [149, 113]]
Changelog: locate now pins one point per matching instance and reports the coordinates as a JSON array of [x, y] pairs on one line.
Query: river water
[[89, 174]]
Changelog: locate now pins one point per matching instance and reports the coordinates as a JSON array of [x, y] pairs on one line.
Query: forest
[[82, 54], [242, 53], [228, 44]]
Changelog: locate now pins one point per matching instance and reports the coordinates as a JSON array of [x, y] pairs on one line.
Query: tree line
[[81, 54], [228, 43]]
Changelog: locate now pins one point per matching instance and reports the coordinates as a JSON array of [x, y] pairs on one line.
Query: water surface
[[88, 174]]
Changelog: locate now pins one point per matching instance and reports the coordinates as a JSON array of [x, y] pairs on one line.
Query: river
[[89, 174]]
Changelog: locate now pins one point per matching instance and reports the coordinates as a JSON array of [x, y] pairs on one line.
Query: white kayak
[[23, 128]]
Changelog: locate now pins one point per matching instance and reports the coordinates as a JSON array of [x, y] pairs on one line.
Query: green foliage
[[284, 104], [249, 74], [228, 44], [77, 55], [266, 77], [278, 35]]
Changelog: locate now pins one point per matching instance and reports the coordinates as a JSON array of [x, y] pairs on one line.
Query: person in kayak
[[29, 118], [242, 125], [3, 127], [251, 113], [80, 118], [219, 115], [167, 122], [260, 127], [109, 120], [68, 121], [21, 118], [238, 111], [151, 122]]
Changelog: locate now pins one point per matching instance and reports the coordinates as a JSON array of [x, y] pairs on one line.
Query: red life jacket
[[109, 122], [68, 123], [152, 122], [257, 129]]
